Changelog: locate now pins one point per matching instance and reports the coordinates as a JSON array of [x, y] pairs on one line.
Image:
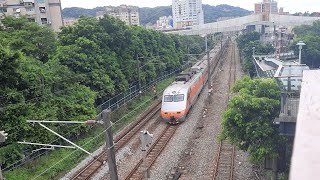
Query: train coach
[[180, 96]]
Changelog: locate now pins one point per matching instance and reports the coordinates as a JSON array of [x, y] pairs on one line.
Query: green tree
[[34, 86], [246, 42], [28, 37], [309, 34], [248, 121]]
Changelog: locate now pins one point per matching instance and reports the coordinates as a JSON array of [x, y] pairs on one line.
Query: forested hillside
[[151, 15], [48, 76]]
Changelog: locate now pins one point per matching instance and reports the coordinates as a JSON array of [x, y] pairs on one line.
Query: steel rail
[[120, 140], [154, 151], [226, 149]]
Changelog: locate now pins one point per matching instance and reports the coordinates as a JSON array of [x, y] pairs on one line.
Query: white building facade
[[187, 13]]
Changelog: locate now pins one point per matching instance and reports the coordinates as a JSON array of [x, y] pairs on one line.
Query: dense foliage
[[151, 15], [246, 42], [248, 121], [48, 76], [310, 35], [36, 86]]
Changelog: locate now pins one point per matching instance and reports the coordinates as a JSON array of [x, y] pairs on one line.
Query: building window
[[44, 21], [42, 9], [3, 10]]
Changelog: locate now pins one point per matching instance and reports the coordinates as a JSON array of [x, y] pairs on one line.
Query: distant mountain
[[151, 15], [76, 12], [212, 13]]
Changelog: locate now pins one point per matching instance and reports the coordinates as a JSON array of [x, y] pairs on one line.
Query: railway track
[[153, 152], [224, 163], [122, 139]]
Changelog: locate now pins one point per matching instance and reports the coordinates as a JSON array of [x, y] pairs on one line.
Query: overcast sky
[[289, 5]]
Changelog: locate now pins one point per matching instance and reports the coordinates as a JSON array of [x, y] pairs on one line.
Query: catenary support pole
[[106, 117], [209, 64]]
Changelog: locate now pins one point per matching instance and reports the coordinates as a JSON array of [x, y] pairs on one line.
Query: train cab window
[[178, 97], [168, 98]]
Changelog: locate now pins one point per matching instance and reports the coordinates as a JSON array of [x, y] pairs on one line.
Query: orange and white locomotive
[[180, 96]]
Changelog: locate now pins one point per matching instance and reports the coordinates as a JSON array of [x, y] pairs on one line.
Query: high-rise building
[[44, 12], [266, 6], [187, 13], [127, 14]]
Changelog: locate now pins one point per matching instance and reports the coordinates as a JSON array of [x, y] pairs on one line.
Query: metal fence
[[117, 101]]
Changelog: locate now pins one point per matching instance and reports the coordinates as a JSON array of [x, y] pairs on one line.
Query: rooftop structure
[[127, 14], [305, 162], [187, 13], [266, 6], [44, 12]]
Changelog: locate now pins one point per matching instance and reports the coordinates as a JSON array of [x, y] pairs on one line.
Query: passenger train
[[181, 95]]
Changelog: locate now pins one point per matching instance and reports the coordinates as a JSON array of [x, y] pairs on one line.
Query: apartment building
[[44, 12], [187, 13], [266, 6], [127, 14]]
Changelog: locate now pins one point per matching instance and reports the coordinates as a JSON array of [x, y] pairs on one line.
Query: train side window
[[168, 98]]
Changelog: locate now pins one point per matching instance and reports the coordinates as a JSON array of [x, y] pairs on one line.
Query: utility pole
[[106, 117], [3, 137]]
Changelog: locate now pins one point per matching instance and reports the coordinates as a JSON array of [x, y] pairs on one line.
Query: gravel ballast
[[192, 151]]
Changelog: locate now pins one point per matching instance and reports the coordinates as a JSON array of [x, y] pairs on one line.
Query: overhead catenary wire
[[81, 126], [95, 137], [69, 155], [22, 160]]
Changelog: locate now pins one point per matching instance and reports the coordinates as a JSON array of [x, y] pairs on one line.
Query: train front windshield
[[174, 98]]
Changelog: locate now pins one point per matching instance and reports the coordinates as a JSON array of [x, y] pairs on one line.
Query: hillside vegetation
[[151, 15]]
